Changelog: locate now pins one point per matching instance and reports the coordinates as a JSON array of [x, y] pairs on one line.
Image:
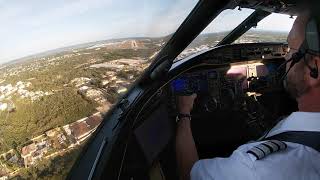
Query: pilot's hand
[[185, 103]]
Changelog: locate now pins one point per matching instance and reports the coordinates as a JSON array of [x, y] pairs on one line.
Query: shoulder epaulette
[[264, 149]]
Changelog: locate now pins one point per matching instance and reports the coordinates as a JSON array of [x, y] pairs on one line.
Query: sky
[[34, 26]]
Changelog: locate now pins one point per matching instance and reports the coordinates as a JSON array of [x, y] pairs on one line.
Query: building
[[83, 128], [80, 81], [40, 138], [121, 90], [61, 138], [26, 154], [83, 89], [80, 130], [27, 161], [3, 106], [94, 120], [28, 150], [4, 177], [14, 159], [34, 151], [67, 129], [8, 155]]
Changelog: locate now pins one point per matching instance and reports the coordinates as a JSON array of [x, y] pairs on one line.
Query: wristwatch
[[180, 116]]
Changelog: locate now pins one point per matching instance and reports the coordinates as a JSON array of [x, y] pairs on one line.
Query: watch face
[[178, 118]]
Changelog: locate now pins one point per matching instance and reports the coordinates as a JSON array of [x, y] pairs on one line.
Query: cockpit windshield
[[274, 28]]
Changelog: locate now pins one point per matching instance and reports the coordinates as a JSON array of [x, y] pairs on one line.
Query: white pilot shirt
[[296, 162]]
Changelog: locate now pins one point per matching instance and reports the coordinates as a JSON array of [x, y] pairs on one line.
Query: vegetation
[[65, 105], [56, 168], [32, 119]]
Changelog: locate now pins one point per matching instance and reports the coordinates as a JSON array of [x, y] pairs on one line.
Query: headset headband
[[312, 42]]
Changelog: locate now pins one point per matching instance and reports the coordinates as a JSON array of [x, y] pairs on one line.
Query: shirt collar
[[298, 121]]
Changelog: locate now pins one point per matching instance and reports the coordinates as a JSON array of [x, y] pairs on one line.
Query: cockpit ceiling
[[290, 7]]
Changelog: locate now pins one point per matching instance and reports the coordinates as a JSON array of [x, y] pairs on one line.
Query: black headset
[[310, 45]]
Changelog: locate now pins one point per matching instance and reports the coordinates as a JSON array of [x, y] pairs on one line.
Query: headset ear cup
[[314, 73]]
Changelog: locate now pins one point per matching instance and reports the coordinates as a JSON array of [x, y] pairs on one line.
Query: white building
[[3, 106]]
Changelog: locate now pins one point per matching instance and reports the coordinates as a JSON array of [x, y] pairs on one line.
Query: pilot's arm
[[186, 151]]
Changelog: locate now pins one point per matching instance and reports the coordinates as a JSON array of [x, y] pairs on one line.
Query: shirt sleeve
[[233, 167], [199, 171]]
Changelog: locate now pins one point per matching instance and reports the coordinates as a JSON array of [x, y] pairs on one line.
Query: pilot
[[268, 158]]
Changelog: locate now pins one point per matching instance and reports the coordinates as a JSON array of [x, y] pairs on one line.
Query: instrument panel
[[222, 88]]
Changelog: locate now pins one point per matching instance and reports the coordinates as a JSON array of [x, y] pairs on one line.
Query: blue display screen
[[189, 85], [179, 84]]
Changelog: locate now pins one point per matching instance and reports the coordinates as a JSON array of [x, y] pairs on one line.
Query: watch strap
[[180, 116]]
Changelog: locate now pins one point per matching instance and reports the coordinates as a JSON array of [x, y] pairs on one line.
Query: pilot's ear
[[315, 63], [316, 59]]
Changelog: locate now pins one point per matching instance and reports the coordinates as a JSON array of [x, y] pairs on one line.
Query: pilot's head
[[299, 82]]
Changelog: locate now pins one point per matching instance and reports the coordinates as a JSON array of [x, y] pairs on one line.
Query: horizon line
[[120, 38]]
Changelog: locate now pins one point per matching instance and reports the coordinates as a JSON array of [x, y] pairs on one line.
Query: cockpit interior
[[240, 96], [236, 102]]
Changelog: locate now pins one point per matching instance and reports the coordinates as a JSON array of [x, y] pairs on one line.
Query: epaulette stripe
[[264, 149], [274, 147], [268, 147], [257, 152], [253, 153], [275, 144], [285, 145], [264, 153], [281, 144]]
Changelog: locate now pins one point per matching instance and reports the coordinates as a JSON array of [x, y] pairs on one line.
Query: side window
[[216, 31], [273, 28]]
